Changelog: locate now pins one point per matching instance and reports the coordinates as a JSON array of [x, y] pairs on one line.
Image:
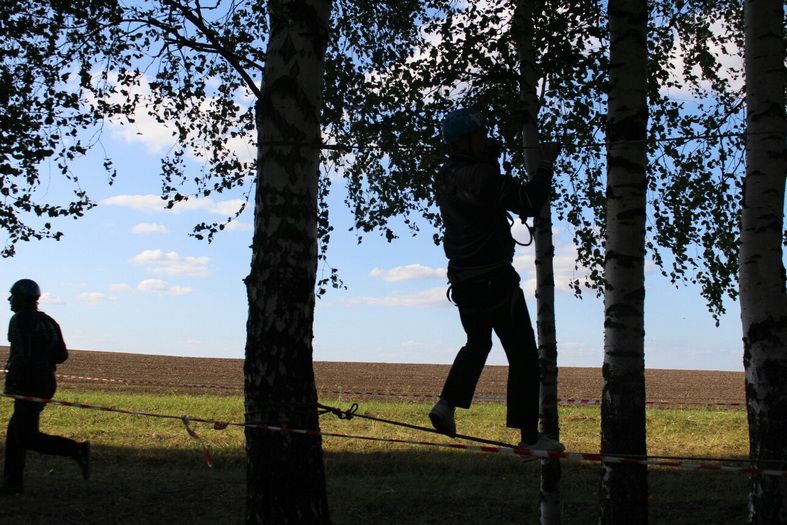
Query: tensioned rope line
[[352, 412], [533, 453], [585, 145], [562, 401], [186, 420]]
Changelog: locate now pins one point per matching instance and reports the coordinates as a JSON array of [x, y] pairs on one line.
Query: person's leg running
[[24, 417], [53, 445], [512, 325], [28, 433]]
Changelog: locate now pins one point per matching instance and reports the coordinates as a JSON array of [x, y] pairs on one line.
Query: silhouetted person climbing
[[37, 346], [474, 200]]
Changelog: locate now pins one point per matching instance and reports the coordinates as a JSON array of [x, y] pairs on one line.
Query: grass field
[[149, 471]]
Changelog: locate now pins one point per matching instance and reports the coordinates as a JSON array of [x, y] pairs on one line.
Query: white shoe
[[442, 417], [544, 442]]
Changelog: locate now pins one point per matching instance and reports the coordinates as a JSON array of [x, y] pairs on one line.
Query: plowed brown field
[[403, 382]]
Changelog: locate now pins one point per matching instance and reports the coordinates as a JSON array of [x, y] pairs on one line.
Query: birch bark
[[549, 490], [285, 472], [762, 275], [623, 494]]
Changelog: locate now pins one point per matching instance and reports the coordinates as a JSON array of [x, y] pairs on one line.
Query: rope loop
[[350, 412], [338, 412], [523, 220]]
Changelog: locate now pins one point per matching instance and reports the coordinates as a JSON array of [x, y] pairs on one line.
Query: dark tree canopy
[[392, 70], [45, 110], [69, 68], [468, 57]]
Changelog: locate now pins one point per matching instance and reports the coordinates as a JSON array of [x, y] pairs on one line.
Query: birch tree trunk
[[623, 494], [549, 490], [762, 276], [285, 472]]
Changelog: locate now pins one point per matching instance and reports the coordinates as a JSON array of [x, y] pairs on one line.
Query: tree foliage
[[70, 68], [467, 56], [392, 70], [67, 69], [695, 185], [45, 83]]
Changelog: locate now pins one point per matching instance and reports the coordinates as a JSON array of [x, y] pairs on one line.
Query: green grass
[[149, 471]]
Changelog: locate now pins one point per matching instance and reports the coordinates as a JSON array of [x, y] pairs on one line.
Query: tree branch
[[203, 47], [228, 55]]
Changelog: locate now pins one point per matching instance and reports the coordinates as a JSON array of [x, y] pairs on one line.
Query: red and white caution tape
[[562, 402], [571, 456], [144, 382], [148, 383], [184, 419], [372, 393], [665, 404], [194, 435]]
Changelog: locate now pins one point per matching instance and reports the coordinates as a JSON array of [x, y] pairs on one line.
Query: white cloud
[[433, 39], [563, 267], [409, 272], [96, 298], [237, 226], [170, 263], [48, 298], [162, 287], [154, 203], [730, 67], [149, 227], [229, 207], [136, 202], [157, 136], [193, 204], [430, 297], [119, 287], [146, 129]]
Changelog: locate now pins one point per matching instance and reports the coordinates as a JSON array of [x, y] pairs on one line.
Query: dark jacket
[[37, 346], [474, 199]]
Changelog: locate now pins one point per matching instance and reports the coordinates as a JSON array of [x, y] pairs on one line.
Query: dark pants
[[23, 435], [496, 303]]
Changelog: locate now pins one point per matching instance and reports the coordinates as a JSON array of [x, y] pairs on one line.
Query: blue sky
[[128, 278]]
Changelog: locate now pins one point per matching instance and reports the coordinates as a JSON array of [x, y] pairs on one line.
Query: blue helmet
[[461, 122], [26, 288]]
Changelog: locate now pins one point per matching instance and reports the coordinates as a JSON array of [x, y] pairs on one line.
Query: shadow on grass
[[413, 487], [160, 486], [130, 486]]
